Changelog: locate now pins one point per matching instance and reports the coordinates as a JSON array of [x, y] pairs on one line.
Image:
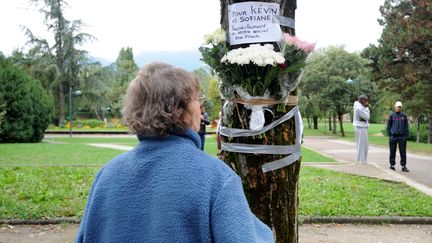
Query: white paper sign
[[252, 22]]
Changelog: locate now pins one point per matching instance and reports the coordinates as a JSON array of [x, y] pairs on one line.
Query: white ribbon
[[294, 151]]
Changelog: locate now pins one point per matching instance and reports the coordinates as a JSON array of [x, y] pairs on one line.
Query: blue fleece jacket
[[168, 190]]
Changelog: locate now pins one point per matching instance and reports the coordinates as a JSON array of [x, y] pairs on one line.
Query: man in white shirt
[[361, 124]]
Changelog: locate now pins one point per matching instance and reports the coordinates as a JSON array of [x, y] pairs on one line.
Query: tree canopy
[[328, 81], [25, 107], [402, 60]]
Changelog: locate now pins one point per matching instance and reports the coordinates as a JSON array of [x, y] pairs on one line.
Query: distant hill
[[103, 61], [186, 59]]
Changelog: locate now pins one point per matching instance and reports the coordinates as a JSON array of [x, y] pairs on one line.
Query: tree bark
[[272, 196], [315, 122], [334, 124], [430, 129], [340, 117], [61, 105], [330, 123], [418, 129]]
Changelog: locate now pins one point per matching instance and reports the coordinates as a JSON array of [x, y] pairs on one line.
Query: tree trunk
[[60, 60], [330, 123], [315, 122], [418, 130], [272, 196], [61, 105], [430, 129], [334, 124], [340, 117], [308, 121]]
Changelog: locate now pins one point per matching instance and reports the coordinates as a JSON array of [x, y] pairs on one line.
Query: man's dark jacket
[[397, 125]]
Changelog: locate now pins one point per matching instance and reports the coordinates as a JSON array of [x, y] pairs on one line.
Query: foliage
[[326, 81], [96, 83], [423, 133], [2, 113], [403, 58], [125, 66], [214, 96], [62, 60], [376, 137], [256, 69], [124, 70], [204, 79], [27, 105]]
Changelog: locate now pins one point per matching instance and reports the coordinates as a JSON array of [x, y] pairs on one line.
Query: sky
[[174, 25]]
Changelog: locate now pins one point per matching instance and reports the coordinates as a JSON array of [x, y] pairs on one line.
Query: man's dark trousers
[[202, 137], [394, 141]]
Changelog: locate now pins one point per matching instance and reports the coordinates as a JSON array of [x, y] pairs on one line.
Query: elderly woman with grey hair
[[361, 124], [166, 189]]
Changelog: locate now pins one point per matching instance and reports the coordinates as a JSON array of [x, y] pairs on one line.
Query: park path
[[420, 166], [308, 233]]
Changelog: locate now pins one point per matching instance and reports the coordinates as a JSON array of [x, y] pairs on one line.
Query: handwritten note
[[252, 22]]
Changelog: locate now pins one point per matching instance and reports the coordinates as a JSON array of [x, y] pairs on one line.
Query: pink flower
[[303, 45]]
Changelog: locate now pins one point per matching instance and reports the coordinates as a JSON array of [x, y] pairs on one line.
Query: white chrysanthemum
[[256, 54], [207, 39], [219, 36]]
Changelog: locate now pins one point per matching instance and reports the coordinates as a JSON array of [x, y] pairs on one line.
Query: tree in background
[[25, 107], [402, 60], [97, 83], [63, 53], [215, 97], [124, 69], [204, 77], [328, 82], [309, 109]]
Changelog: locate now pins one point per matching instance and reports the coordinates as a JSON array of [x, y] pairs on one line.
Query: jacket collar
[[188, 133]]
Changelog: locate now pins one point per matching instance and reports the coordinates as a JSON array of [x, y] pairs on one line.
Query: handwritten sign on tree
[[252, 22]]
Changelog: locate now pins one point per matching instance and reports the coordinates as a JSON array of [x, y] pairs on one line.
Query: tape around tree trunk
[[294, 151]]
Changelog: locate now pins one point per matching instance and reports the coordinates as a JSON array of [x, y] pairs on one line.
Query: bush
[[27, 105], [423, 132], [93, 123]]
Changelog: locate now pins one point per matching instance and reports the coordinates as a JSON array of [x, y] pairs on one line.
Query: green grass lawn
[[210, 146], [44, 192], [43, 154], [100, 129], [375, 136], [329, 193], [45, 180], [53, 191], [114, 140]]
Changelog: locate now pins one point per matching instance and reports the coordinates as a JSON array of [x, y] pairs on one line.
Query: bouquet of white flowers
[[256, 69]]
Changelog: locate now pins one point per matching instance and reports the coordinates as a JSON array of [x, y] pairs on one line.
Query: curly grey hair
[[156, 101]]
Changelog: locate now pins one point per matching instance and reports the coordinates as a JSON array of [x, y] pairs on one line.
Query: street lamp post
[[76, 92]]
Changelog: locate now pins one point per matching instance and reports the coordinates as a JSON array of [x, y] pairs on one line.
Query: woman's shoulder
[[206, 163]]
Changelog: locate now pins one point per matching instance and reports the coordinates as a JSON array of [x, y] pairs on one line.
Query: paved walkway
[[313, 233], [420, 166]]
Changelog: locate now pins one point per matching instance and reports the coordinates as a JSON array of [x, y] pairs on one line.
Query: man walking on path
[[397, 129], [361, 124]]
